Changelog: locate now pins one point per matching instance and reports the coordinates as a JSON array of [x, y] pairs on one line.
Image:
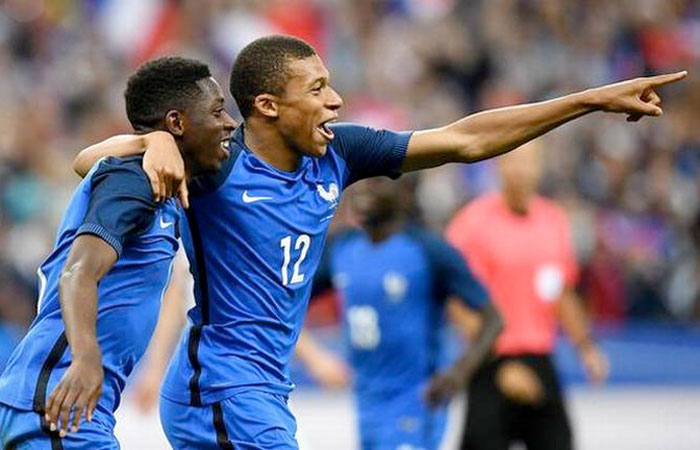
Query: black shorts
[[493, 422]]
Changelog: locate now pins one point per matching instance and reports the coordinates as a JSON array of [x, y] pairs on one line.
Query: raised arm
[[493, 132], [80, 387], [162, 161]]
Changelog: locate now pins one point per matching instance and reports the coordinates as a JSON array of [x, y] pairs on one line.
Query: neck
[[517, 204], [382, 230], [268, 144]]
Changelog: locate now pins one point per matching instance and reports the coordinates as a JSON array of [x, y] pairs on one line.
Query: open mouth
[[224, 145], [325, 130]]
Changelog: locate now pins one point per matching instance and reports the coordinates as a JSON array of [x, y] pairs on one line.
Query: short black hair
[[161, 85], [261, 67]]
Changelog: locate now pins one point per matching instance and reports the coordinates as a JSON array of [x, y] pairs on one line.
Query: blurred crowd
[[632, 190]]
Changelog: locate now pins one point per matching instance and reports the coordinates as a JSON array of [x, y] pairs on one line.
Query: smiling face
[[306, 107], [208, 129]]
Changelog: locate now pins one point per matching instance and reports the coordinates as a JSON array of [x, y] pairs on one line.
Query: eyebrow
[[322, 79]]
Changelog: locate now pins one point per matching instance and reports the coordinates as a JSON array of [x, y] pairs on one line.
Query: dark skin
[[380, 206], [198, 131]]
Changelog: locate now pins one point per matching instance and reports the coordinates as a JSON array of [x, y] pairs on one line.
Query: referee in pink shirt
[[519, 244]]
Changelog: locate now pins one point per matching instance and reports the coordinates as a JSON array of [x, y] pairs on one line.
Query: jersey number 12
[[302, 244]]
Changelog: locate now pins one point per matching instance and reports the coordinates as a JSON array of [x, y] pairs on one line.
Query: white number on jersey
[[364, 327], [303, 242]]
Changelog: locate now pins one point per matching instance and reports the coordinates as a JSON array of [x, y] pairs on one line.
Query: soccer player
[[395, 281], [101, 286], [520, 245], [255, 232]]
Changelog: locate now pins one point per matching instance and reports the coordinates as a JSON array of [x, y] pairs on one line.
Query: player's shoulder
[[129, 167], [116, 176], [342, 130], [423, 235], [432, 243], [344, 134]]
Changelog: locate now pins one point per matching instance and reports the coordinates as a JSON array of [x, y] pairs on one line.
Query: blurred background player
[[520, 245], [102, 285], [396, 281]]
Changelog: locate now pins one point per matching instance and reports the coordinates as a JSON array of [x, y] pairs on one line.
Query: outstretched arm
[[80, 387], [493, 132], [162, 162], [443, 386]]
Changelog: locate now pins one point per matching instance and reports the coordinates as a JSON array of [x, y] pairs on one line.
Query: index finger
[[660, 80]]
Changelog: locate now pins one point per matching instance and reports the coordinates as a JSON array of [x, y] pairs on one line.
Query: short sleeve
[[452, 276], [121, 202], [369, 152]]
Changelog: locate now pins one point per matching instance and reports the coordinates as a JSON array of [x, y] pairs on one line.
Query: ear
[[267, 105], [175, 122]]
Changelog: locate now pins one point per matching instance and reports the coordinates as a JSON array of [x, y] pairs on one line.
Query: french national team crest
[[331, 195], [395, 286]]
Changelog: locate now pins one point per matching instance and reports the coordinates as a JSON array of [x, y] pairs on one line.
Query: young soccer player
[[255, 231], [102, 284], [395, 282]]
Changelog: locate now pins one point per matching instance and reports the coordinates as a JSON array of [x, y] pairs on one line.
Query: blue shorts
[[247, 420], [26, 430], [403, 422]]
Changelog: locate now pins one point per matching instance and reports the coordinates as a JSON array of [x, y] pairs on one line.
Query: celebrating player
[[395, 281], [255, 232], [87, 336]]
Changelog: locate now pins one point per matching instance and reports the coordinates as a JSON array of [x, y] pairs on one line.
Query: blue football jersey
[[254, 236], [114, 202], [393, 295]]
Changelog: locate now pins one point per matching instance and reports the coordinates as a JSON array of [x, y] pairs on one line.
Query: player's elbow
[[76, 274], [466, 147], [473, 149], [80, 165]]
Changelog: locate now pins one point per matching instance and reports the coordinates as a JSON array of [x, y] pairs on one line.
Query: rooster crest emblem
[[331, 195]]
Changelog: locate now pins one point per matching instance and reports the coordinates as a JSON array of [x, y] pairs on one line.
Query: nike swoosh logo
[[164, 224], [250, 199]]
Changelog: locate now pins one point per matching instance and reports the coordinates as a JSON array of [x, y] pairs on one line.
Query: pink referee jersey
[[525, 261]]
